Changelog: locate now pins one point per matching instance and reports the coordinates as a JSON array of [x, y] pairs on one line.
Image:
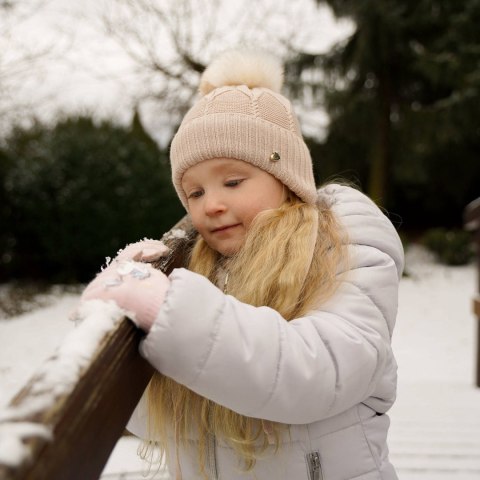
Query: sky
[[82, 68]]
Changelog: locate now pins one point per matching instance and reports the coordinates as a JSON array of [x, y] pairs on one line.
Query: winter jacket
[[330, 375]]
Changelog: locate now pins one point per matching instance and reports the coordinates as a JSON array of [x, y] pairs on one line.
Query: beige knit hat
[[241, 115]]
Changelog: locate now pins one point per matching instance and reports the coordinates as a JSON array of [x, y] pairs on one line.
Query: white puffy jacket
[[330, 375]]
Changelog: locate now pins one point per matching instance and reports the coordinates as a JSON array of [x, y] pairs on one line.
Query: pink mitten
[[143, 251], [136, 287]]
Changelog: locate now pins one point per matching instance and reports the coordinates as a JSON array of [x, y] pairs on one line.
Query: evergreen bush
[[452, 247], [78, 191]]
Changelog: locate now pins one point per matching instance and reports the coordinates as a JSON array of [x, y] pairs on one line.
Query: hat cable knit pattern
[[242, 116]]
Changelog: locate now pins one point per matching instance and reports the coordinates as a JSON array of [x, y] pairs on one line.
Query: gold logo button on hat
[[275, 157]]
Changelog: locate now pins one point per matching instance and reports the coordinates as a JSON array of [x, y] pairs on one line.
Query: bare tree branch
[[171, 41], [20, 61]]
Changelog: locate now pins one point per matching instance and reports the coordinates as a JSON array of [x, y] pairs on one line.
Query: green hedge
[[76, 192], [452, 247]]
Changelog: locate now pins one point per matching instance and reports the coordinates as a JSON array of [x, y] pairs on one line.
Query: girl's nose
[[214, 205]]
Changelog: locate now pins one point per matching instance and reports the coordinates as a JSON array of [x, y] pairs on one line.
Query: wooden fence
[[472, 223], [70, 434]]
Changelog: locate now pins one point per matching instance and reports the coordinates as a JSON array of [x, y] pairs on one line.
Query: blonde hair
[[289, 262]]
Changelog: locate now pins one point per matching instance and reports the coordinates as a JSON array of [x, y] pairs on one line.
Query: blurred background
[[388, 94], [91, 93]]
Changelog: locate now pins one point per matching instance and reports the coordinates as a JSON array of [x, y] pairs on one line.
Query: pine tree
[[401, 92]]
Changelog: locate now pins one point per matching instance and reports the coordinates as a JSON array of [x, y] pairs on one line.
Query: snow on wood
[[12, 435], [178, 233], [78, 404], [56, 378]]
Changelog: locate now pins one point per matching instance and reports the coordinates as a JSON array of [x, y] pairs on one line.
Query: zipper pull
[[314, 466]]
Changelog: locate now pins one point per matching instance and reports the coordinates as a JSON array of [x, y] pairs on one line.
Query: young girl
[[273, 349]]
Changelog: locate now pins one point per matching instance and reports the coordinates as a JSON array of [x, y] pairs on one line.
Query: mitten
[[136, 287], [143, 251]]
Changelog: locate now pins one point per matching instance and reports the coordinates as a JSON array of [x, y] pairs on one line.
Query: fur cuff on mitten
[[143, 251]]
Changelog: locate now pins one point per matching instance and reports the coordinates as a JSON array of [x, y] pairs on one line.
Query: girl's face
[[224, 196]]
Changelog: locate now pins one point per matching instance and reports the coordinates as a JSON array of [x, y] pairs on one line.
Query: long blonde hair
[[289, 262]]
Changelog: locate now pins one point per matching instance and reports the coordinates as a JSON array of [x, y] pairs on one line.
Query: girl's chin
[[227, 252], [227, 249]]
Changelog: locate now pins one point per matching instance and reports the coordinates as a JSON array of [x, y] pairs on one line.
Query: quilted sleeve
[[254, 362]]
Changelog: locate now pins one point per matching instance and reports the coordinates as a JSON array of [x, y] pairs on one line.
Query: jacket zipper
[[314, 467], [212, 457], [212, 451]]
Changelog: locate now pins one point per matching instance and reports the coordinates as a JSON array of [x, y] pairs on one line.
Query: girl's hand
[[136, 287], [143, 251]]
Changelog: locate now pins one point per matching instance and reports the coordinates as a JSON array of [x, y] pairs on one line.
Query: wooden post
[[87, 421], [472, 224]]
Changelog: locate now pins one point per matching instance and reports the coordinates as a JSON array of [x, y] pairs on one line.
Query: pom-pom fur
[[243, 67]]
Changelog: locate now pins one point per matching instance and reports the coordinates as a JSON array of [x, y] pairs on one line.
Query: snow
[[435, 323], [435, 422], [61, 372], [28, 340], [12, 448], [56, 377], [176, 233]]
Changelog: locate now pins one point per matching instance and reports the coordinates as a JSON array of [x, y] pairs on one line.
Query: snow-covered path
[[435, 432]]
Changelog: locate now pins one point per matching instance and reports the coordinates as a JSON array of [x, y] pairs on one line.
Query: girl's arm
[[254, 362]]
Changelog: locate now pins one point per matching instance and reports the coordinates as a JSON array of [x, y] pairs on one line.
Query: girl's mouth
[[225, 228]]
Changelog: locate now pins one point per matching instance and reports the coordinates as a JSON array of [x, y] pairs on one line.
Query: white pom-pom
[[243, 67]]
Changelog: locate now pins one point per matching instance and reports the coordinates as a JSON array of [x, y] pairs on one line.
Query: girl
[[273, 349]]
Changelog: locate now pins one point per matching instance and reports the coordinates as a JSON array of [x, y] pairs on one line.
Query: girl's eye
[[233, 183], [195, 194]]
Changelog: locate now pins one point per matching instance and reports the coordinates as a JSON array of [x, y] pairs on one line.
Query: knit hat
[[242, 115]]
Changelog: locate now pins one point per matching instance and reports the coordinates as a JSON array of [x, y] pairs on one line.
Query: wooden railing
[[472, 223], [70, 433]]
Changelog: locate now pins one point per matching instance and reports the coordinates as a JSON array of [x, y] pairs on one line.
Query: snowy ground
[[435, 433]]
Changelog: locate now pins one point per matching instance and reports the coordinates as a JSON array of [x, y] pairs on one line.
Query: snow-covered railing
[[66, 421], [472, 223]]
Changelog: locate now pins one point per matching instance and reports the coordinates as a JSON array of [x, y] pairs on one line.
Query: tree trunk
[[380, 156]]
